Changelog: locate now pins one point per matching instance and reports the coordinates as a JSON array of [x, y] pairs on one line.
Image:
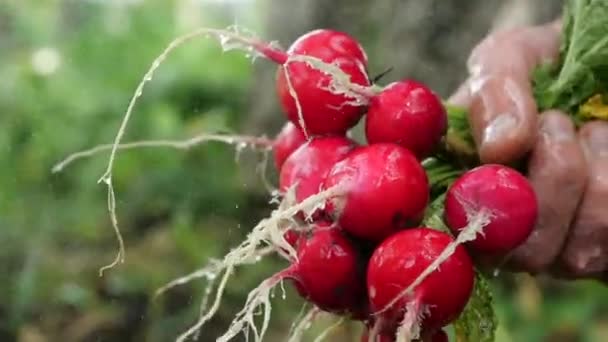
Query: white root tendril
[[476, 222], [329, 330], [301, 324], [211, 271], [245, 319], [262, 168], [227, 38], [254, 142], [409, 328], [294, 95], [374, 332], [269, 231], [340, 83]]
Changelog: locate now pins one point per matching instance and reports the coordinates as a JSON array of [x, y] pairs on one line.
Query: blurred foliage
[[67, 71]]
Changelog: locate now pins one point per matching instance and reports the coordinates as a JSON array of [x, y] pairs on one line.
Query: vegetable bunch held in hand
[[373, 231], [533, 96]]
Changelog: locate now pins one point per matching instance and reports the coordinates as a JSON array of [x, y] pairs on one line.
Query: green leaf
[[582, 70], [433, 217], [478, 322]]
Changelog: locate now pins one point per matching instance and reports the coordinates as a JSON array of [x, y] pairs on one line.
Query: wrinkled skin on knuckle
[[516, 51], [586, 251], [557, 172]]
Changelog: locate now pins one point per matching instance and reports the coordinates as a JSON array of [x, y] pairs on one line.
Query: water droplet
[[372, 292], [284, 295], [496, 272], [409, 262], [238, 150]]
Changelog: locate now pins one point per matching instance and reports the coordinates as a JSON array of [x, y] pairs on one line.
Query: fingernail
[[557, 128], [499, 127], [595, 138], [506, 112]]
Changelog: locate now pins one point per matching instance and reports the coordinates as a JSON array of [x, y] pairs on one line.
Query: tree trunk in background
[[425, 40]]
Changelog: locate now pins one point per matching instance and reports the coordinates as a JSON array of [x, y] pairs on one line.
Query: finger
[[557, 172], [516, 51], [462, 96], [503, 112], [586, 250]]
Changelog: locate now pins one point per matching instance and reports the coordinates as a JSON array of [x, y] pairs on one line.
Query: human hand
[[568, 169]]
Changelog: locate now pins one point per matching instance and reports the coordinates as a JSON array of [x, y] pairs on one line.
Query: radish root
[[270, 231], [340, 83], [238, 140], [210, 271], [229, 39], [294, 95], [258, 297], [329, 330], [374, 332], [409, 329], [302, 325]]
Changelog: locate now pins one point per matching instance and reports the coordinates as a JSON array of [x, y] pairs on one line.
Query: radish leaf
[[478, 322]]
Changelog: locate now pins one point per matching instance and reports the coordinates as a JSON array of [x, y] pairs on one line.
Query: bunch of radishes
[[351, 219], [362, 250]]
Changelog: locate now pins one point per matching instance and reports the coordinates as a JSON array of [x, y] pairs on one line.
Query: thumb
[[502, 110]]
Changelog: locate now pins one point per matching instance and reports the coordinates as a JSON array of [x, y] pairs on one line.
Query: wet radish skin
[[400, 259], [311, 162], [407, 113], [323, 111], [329, 271], [503, 191], [287, 140], [328, 44], [386, 189]]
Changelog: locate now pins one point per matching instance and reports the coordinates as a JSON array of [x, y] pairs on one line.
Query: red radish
[[385, 190], [329, 272], [328, 44], [407, 113], [399, 260], [323, 111], [288, 140], [506, 194], [310, 163]]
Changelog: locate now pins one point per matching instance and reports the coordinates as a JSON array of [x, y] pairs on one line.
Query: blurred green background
[[67, 71]]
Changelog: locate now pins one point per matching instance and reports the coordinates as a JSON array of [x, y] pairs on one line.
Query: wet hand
[[567, 168]]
